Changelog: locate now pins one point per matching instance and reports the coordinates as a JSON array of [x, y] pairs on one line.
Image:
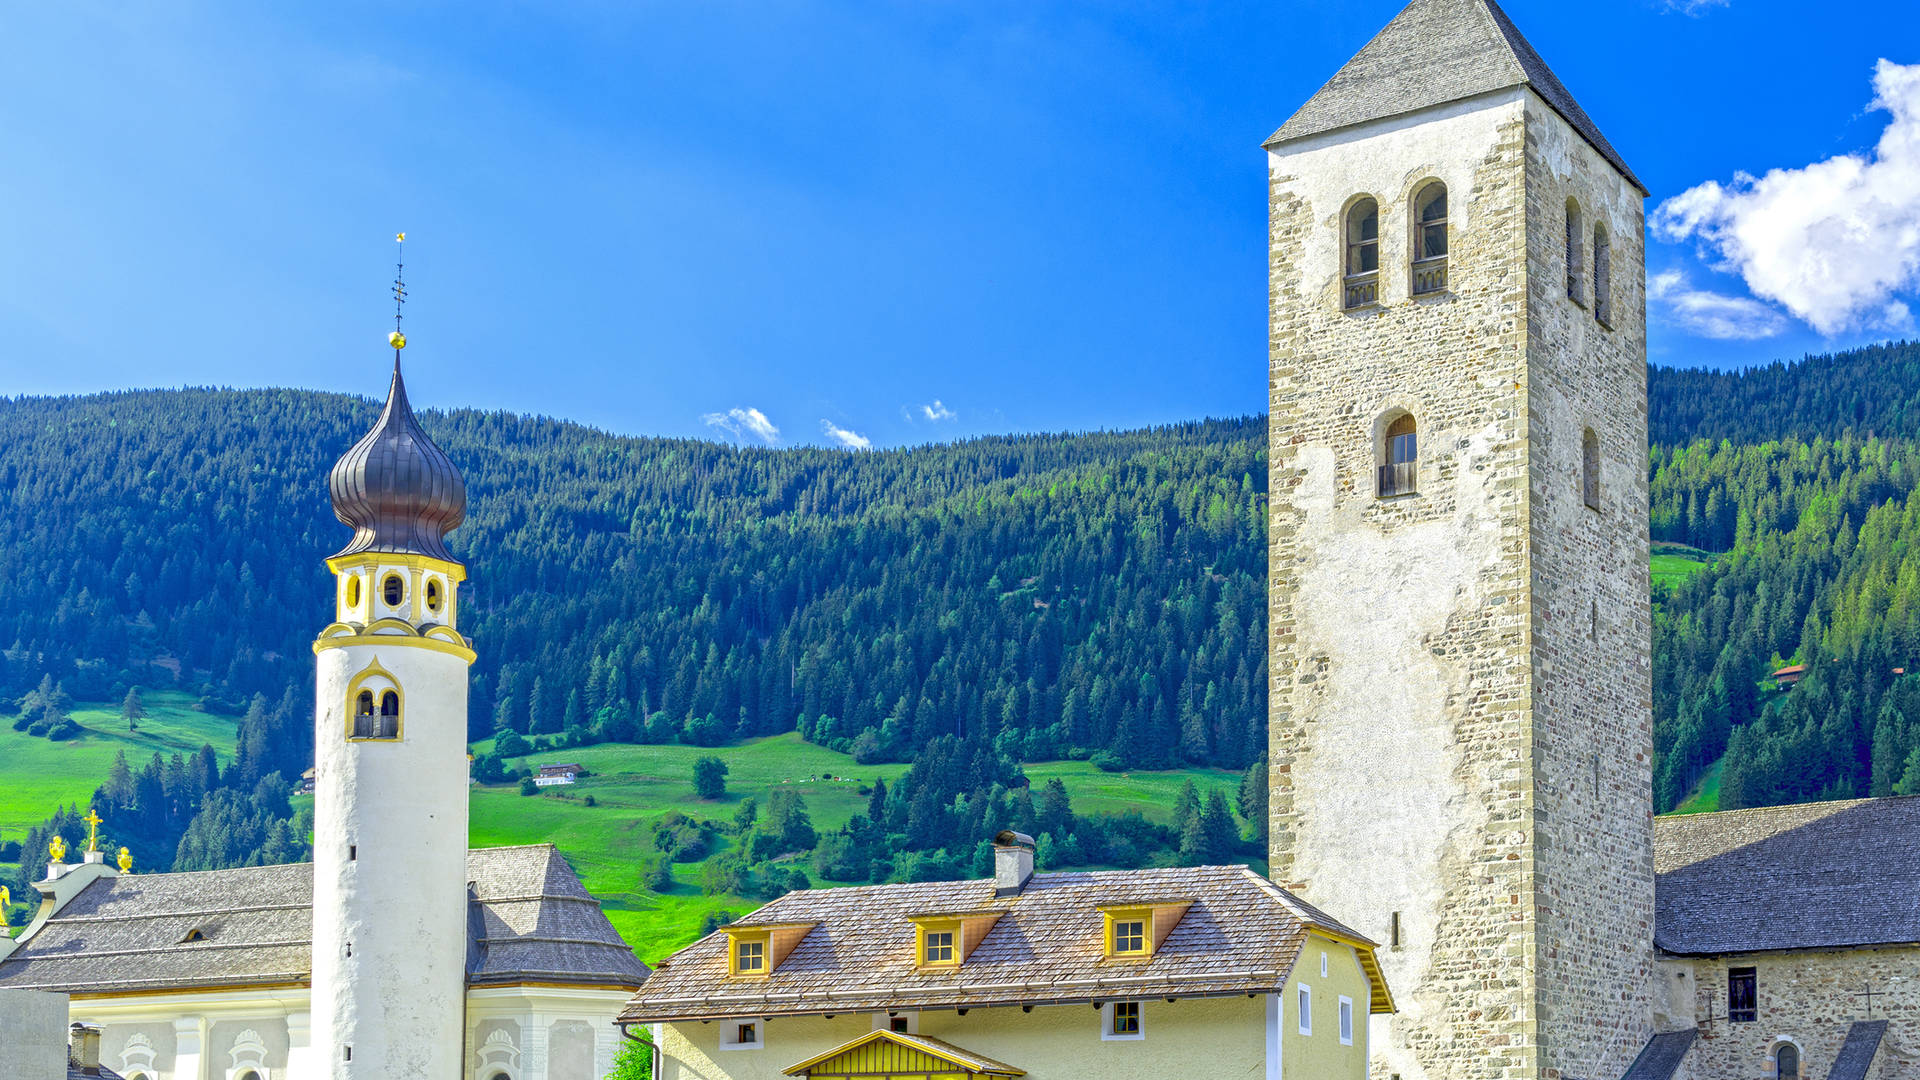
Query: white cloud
[[1711, 314], [852, 440], [937, 411], [1832, 242], [741, 423], [1692, 8]]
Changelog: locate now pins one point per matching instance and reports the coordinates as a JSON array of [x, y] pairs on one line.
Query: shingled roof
[[530, 917], [1857, 1053], [1815, 876], [1662, 1055], [1432, 53], [1241, 934]]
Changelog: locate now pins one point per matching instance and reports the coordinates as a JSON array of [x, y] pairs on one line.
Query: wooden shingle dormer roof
[[1240, 934]]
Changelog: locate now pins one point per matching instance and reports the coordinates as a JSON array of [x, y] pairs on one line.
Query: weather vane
[[397, 339]]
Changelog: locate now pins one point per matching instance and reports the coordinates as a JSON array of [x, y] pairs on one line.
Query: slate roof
[[1815, 876], [1856, 1054], [1434, 52], [1662, 1055], [531, 922], [1241, 934]]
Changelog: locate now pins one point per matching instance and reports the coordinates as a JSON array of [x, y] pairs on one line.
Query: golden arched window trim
[[358, 683]]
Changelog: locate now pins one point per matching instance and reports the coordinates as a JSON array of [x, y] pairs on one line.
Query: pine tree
[[132, 710]]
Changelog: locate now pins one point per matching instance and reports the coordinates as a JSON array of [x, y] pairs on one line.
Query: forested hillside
[[966, 607], [960, 609]]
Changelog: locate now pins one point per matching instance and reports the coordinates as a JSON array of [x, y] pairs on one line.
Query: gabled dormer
[[943, 940], [755, 951], [1136, 931]]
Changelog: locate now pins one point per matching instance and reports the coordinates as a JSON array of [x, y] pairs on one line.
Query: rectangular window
[[746, 1033], [1743, 995], [1123, 1019], [1346, 1021], [1129, 936], [1304, 1003], [900, 1024], [750, 957], [939, 948]]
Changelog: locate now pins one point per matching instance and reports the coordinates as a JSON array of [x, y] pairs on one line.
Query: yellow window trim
[[373, 670], [1158, 918], [967, 928], [375, 559], [777, 939]]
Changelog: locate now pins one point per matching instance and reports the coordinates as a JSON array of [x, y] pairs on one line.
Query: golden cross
[[93, 830]]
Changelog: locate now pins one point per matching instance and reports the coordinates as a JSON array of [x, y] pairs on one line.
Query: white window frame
[[729, 1034], [1303, 1005], [1346, 1020], [1106, 1023]]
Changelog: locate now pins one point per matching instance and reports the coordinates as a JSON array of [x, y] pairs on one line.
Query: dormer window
[[946, 939], [1136, 931], [750, 958], [754, 952]]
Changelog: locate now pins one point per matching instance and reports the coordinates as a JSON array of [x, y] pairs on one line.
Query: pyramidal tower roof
[[1434, 52]]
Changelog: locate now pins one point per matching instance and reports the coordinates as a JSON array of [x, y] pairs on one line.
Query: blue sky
[[901, 222]]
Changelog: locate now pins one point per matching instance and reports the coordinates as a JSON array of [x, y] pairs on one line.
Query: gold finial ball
[[400, 238], [397, 339], [126, 861]]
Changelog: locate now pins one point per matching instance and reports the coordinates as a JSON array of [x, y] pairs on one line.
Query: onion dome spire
[[399, 492]]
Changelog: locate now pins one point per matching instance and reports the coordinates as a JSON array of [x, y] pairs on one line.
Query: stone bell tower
[[1460, 687], [390, 793]]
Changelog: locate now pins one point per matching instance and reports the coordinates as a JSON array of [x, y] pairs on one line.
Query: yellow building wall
[[1211, 1037], [1322, 1054], [1225, 1037]]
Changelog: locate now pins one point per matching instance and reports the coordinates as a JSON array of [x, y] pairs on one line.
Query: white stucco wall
[[33, 1034]]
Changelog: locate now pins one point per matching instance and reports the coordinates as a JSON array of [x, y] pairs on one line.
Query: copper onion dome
[[399, 491]]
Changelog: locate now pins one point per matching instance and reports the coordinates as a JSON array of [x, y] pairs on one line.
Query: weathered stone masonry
[[1460, 690]]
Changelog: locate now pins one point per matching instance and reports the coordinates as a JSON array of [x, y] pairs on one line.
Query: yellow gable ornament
[[57, 848], [126, 861]]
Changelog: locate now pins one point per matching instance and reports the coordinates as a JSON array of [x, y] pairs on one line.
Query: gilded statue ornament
[[126, 861], [93, 830], [57, 848]]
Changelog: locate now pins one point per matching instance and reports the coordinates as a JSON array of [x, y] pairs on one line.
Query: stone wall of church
[[1809, 999], [1400, 744], [1591, 623], [1460, 714]]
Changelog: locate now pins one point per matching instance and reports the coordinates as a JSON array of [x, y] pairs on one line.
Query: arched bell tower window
[[1400, 457], [1362, 278], [363, 715], [1602, 277], [1590, 468], [375, 703], [1576, 273], [1430, 239], [389, 725], [393, 590]]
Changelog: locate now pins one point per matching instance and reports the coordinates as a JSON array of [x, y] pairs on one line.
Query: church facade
[[397, 951]]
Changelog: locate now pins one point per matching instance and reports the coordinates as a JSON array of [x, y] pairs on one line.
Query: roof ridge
[[1703, 815]]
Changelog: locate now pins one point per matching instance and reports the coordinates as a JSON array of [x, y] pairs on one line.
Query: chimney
[[84, 1048], [1012, 862]]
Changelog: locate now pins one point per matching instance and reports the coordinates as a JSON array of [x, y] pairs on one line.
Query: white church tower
[[390, 816]]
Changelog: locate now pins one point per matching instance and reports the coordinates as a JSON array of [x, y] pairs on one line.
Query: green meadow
[[1673, 564], [631, 786]]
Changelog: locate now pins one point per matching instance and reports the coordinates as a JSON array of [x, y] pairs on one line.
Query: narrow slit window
[[1430, 239], [1602, 277], [1363, 254], [1400, 458], [1574, 270], [1346, 1021], [1590, 468], [1303, 1002]]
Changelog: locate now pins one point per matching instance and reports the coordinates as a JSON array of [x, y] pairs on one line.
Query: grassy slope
[[1673, 564], [633, 785], [1706, 797]]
